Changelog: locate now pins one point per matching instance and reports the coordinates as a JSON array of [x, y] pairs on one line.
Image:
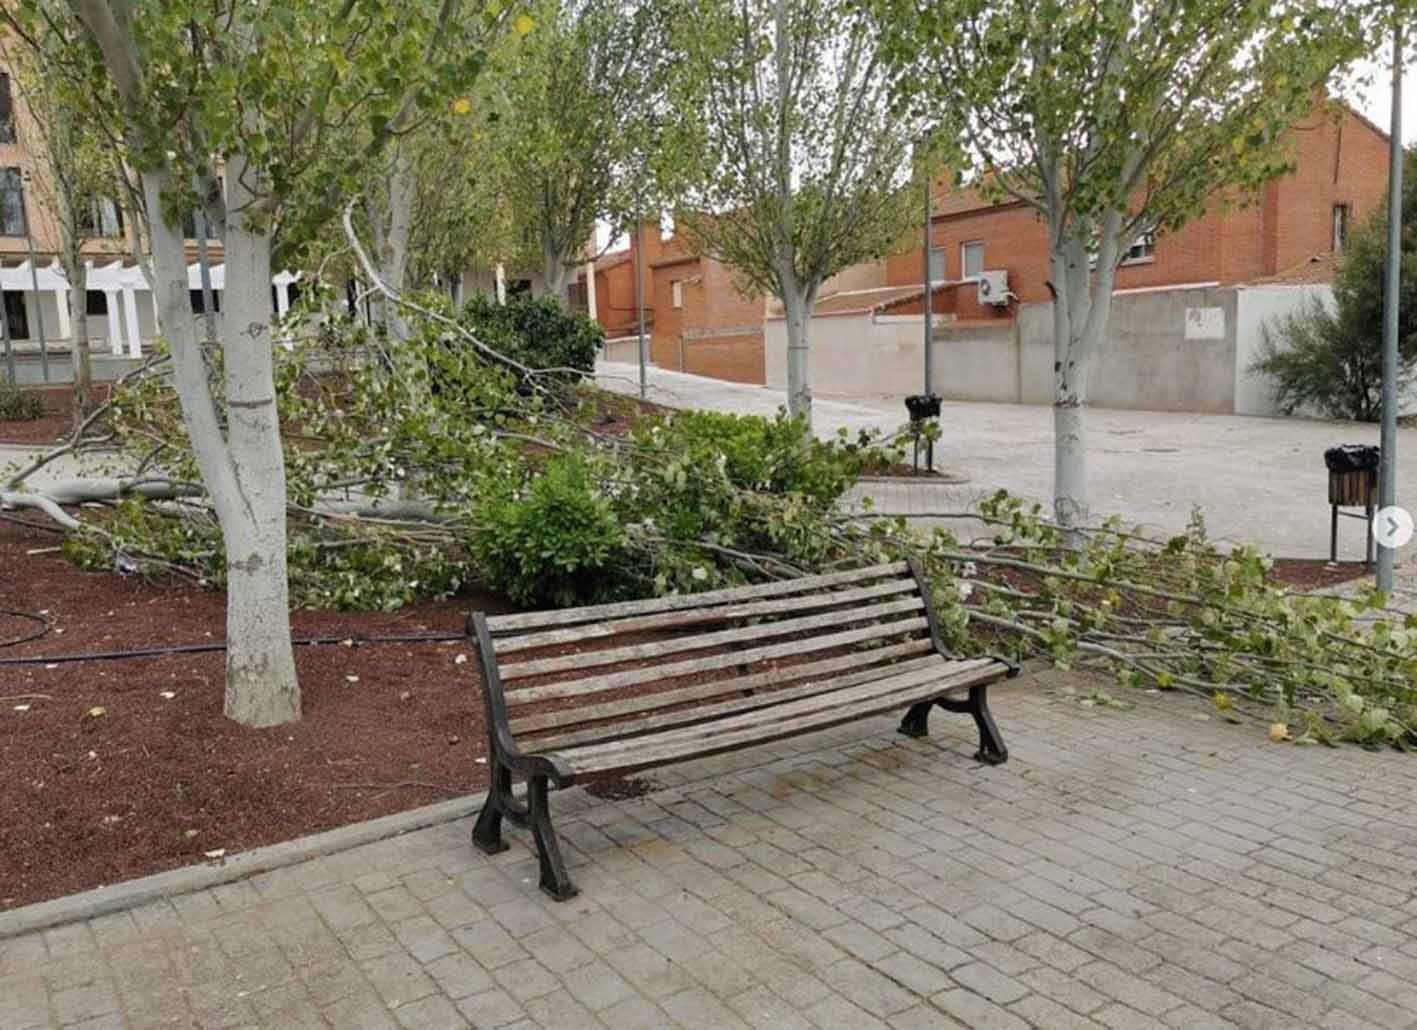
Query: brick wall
[[1338, 161], [735, 358]]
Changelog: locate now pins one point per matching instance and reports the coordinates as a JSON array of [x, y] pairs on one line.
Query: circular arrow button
[[1392, 527]]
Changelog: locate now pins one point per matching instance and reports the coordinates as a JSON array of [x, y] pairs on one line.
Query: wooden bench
[[611, 688]]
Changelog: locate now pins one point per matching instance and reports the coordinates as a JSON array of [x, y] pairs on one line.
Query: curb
[[132, 893]]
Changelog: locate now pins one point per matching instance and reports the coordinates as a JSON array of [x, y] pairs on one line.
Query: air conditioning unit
[[994, 288]]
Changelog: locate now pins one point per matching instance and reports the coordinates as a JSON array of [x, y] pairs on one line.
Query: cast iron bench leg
[[554, 880], [991, 742], [487, 834]]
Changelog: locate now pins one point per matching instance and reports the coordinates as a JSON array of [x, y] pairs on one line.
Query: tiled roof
[[1316, 271], [860, 302]]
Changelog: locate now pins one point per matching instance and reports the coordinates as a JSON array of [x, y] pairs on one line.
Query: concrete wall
[[1166, 350], [862, 354], [1258, 306]]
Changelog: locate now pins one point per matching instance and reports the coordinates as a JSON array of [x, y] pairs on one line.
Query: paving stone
[[849, 879]]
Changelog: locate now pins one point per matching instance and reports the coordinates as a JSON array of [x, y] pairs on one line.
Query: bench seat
[[607, 689]]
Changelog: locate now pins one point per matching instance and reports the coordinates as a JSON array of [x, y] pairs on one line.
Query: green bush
[[538, 332], [779, 455], [18, 405], [554, 540]]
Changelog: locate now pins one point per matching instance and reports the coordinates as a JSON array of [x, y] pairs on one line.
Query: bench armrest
[[500, 743]]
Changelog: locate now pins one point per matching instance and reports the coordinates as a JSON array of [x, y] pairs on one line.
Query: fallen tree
[[415, 469]]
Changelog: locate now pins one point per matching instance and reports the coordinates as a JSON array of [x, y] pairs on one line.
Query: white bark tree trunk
[[244, 472], [1081, 308], [78, 275], [261, 686], [797, 302], [554, 271]]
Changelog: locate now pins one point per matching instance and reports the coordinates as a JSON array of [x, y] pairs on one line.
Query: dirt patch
[[117, 769], [56, 424], [1315, 573]]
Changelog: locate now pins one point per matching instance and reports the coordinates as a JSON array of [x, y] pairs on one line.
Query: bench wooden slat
[[813, 713], [631, 729], [542, 721], [703, 641], [683, 619], [650, 674], [500, 624]]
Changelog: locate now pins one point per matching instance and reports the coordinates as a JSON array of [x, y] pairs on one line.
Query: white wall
[[1166, 350]]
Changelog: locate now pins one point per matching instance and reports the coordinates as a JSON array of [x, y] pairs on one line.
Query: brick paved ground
[[1129, 869]]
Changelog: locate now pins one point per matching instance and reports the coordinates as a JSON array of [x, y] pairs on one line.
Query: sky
[[1374, 98]]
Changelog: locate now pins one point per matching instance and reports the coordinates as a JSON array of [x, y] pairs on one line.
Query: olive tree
[[1112, 119], [804, 156], [278, 101]]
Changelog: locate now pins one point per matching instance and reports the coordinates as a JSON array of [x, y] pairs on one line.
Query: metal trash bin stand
[[922, 406], [1352, 483]]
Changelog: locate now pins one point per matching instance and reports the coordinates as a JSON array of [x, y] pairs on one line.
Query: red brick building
[[1340, 176], [696, 318]]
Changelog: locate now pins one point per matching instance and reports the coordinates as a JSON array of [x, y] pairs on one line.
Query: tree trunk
[[261, 686], [797, 313], [78, 275], [554, 271], [1081, 307]]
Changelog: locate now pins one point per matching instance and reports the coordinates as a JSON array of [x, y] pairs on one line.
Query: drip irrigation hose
[[34, 635], [172, 649]]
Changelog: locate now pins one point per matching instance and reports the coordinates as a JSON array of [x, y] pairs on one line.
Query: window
[[95, 302], [518, 288], [16, 318], [7, 111], [12, 203], [1340, 227], [676, 291], [971, 260], [1142, 251], [938, 272], [102, 218], [195, 298]]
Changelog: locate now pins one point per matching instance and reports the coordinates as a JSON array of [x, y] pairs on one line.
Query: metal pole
[[640, 295], [929, 295], [1387, 475], [34, 280], [205, 268]]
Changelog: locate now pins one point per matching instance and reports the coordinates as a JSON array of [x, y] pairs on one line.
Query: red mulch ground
[[155, 782], [57, 422]]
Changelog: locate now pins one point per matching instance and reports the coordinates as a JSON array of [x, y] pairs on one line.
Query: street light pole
[[640, 294], [1387, 475], [929, 293]]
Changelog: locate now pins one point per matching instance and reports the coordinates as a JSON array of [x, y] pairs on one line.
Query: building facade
[[1339, 177]]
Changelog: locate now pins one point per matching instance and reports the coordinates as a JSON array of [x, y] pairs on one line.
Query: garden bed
[[55, 425], [157, 782]]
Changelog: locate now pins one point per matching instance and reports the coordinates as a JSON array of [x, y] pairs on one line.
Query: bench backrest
[[584, 675]]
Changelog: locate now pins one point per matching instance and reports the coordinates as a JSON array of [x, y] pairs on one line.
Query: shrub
[[779, 455], [18, 405], [537, 331], [553, 540]]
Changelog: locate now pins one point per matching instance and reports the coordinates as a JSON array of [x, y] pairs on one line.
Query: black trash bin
[[921, 406], [1352, 483]]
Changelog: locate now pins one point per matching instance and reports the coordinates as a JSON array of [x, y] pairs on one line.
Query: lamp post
[[640, 294], [34, 275], [1387, 474], [929, 292]]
